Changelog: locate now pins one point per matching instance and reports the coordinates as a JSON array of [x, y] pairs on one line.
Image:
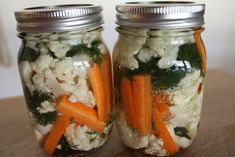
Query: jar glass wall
[[158, 84], [66, 77]]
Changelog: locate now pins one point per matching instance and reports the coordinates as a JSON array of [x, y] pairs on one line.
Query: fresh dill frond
[[82, 48], [34, 101]]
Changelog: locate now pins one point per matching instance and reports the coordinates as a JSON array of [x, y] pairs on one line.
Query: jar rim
[[58, 18], [160, 14]]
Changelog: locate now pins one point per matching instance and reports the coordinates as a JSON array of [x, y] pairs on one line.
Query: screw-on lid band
[[160, 14], [58, 18]]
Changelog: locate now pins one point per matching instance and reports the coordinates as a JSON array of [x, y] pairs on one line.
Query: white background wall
[[218, 36]]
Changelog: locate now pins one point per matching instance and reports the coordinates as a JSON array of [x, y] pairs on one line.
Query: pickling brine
[[159, 80], [67, 82]]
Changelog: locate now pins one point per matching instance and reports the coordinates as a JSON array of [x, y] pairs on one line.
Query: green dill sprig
[[34, 101], [29, 54], [93, 51], [163, 79]]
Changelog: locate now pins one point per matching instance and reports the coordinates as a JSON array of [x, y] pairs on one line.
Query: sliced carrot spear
[[97, 84], [141, 86], [128, 102], [107, 77], [80, 113], [162, 105], [201, 49], [162, 132], [61, 123]]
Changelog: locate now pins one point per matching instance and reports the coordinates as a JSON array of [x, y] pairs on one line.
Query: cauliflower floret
[[146, 54], [90, 37], [38, 135], [155, 146], [44, 130], [83, 94], [151, 144], [42, 63], [169, 56], [129, 61], [166, 44], [52, 85], [32, 44], [59, 48], [186, 110], [27, 72], [83, 138], [129, 136], [158, 45], [53, 63], [187, 88], [102, 48], [64, 70], [38, 81], [80, 92], [46, 107], [128, 46], [43, 49]]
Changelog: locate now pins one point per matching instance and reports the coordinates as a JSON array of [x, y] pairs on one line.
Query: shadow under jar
[[65, 69], [159, 70]]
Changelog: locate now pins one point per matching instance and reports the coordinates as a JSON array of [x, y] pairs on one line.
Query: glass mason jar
[[159, 69], [66, 76]]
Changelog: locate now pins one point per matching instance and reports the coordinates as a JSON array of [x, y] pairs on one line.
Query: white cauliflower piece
[[32, 44], [53, 63], [64, 70], [43, 49], [169, 56], [128, 46], [186, 110], [151, 144], [155, 146], [158, 45], [52, 85], [83, 94], [42, 63], [166, 44], [187, 88], [90, 37], [103, 49], [129, 136], [46, 107], [38, 135], [146, 54], [38, 81], [44, 130], [59, 48], [27, 72], [80, 92], [129, 61], [83, 138]]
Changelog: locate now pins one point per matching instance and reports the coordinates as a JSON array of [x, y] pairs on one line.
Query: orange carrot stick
[[61, 123], [128, 102], [141, 86], [80, 113], [97, 84], [107, 77], [201, 49], [162, 132], [162, 105]]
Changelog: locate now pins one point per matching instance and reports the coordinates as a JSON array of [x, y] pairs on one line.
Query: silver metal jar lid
[[58, 18], [160, 14]]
